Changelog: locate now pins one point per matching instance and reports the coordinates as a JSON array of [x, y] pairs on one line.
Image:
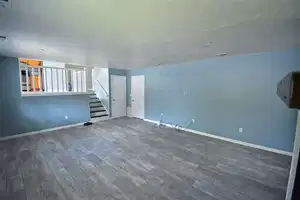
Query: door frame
[[131, 87], [111, 92]]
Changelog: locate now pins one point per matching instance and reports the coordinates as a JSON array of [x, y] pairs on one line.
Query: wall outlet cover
[[66, 117], [241, 130]]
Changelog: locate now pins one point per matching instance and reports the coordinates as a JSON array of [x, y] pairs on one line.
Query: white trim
[[41, 131], [116, 117], [125, 96], [143, 100], [151, 121], [20, 74], [295, 161], [227, 139], [52, 94], [99, 119], [128, 111]]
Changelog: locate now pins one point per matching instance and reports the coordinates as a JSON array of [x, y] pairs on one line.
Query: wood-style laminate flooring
[[131, 159]]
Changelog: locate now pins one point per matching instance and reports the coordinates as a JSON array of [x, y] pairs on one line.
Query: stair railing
[[103, 88], [36, 80]]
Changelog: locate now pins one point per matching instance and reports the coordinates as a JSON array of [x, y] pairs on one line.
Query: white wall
[[294, 161], [102, 75]]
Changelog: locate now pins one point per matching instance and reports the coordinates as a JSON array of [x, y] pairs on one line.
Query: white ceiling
[[138, 33]]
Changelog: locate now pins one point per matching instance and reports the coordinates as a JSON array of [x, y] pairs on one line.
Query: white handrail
[[102, 87]]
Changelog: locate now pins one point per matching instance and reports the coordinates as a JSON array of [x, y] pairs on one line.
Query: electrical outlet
[[66, 117], [185, 93], [241, 130], [193, 120]]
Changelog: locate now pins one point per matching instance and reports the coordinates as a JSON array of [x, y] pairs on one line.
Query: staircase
[[97, 109]]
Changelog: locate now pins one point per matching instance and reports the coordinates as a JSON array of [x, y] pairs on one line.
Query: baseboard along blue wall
[[223, 95], [26, 114]]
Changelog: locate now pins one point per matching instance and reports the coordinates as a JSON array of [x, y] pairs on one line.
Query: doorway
[[138, 96], [118, 96]]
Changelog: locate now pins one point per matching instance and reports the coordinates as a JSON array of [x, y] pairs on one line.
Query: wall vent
[[5, 3]]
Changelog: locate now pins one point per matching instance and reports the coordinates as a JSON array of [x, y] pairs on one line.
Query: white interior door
[[118, 96], [138, 96]]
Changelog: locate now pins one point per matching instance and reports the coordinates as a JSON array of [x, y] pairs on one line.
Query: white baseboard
[[156, 122], [38, 132], [117, 117], [151, 121], [128, 111], [94, 120], [227, 139]]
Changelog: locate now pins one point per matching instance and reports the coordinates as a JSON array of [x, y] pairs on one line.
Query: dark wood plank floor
[[131, 159]]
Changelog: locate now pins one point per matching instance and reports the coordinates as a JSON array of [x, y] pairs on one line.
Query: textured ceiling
[[138, 33]]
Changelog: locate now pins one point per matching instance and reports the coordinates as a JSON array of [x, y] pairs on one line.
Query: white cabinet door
[[118, 96], [138, 96]]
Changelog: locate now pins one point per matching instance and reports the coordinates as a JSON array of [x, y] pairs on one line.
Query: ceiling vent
[[5, 3]]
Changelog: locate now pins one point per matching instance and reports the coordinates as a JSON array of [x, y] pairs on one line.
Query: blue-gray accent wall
[[1, 59], [223, 95], [26, 114]]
